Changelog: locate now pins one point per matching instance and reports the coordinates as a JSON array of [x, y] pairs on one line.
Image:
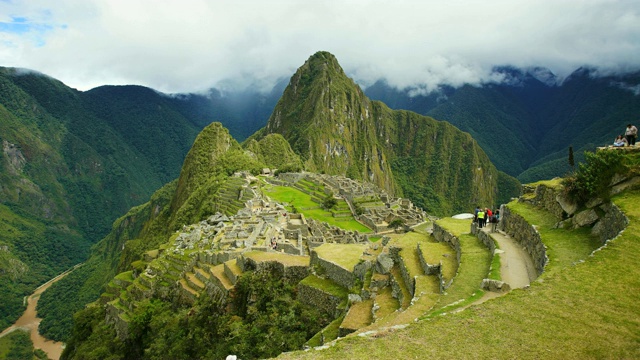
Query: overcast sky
[[192, 45]]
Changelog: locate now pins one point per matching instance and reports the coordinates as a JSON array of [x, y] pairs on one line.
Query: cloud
[[191, 45]]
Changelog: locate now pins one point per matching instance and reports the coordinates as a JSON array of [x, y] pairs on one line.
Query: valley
[[333, 203]]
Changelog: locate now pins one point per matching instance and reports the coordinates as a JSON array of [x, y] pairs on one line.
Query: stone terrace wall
[[486, 239], [441, 235], [526, 235], [606, 219], [551, 199], [320, 299], [337, 273], [611, 224]]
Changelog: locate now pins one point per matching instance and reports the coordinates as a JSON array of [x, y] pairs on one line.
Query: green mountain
[[336, 129], [72, 162], [205, 187], [527, 123], [439, 167]]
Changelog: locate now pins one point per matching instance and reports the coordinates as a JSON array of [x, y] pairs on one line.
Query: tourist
[[488, 215], [631, 133], [480, 217], [494, 220], [620, 141]]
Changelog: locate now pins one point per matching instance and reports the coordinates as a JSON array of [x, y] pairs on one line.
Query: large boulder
[[585, 218], [384, 263]]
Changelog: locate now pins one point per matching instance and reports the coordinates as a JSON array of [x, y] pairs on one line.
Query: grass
[[387, 303], [496, 265], [584, 311], [325, 285], [564, 247], [305, 205], [553, 183], [359, 315], [435, 253], [408, 243], [125, 276], [285, 259], [345, 255], [329, 333]]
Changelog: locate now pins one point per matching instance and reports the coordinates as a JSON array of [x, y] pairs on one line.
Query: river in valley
[[30, 322]]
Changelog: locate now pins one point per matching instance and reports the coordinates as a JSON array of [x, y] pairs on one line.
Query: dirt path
[[517, 268], [30, 322]]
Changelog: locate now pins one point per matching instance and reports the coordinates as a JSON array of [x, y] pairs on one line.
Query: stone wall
[[325, 301], [335, 272], [611, 224], [526, 235], [441, 235], [554, 200], [409, 281], [486, 239], [604, 218], [292, 274]]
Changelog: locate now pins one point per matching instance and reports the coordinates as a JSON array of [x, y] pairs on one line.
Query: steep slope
[[527, 122], [203, 188], [328, 121], [336, 129], [71, 163]]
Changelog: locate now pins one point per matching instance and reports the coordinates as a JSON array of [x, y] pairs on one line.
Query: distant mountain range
[[527, 123]]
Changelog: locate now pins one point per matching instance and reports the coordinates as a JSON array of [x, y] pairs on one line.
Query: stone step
[[232, 270], [219, 278], [145, 280], [177, 259], [202, 274], [185, 286], [193, 281], [384, 304], [358, 316]]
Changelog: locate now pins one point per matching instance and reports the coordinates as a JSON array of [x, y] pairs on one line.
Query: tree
[[329, 202], [571, 161], [396, 223]]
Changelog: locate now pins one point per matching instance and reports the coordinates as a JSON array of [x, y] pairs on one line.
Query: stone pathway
[[517, 268]]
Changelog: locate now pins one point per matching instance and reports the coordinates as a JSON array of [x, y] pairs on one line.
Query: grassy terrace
[[345, 255], [303, 204], [474, 264], [587, 310], [285, 259], [325, 285]]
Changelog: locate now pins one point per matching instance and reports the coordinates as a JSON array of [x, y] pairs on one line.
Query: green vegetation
[[17, 346], [475, 260], [345, 255], [579, 307], [265, 320], [594, 176], [301, 202], [336, 129], [526, 127]]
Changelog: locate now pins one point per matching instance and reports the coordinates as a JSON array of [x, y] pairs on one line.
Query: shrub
[[594, 176]]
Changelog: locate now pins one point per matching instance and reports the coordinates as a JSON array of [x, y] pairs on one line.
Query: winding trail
[[30, 322], [517, 267]]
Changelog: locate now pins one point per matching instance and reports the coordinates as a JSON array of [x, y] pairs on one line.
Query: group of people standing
[[481, 216], [629, 138]]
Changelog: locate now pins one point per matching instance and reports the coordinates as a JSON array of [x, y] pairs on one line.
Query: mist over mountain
[[527, 122]]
